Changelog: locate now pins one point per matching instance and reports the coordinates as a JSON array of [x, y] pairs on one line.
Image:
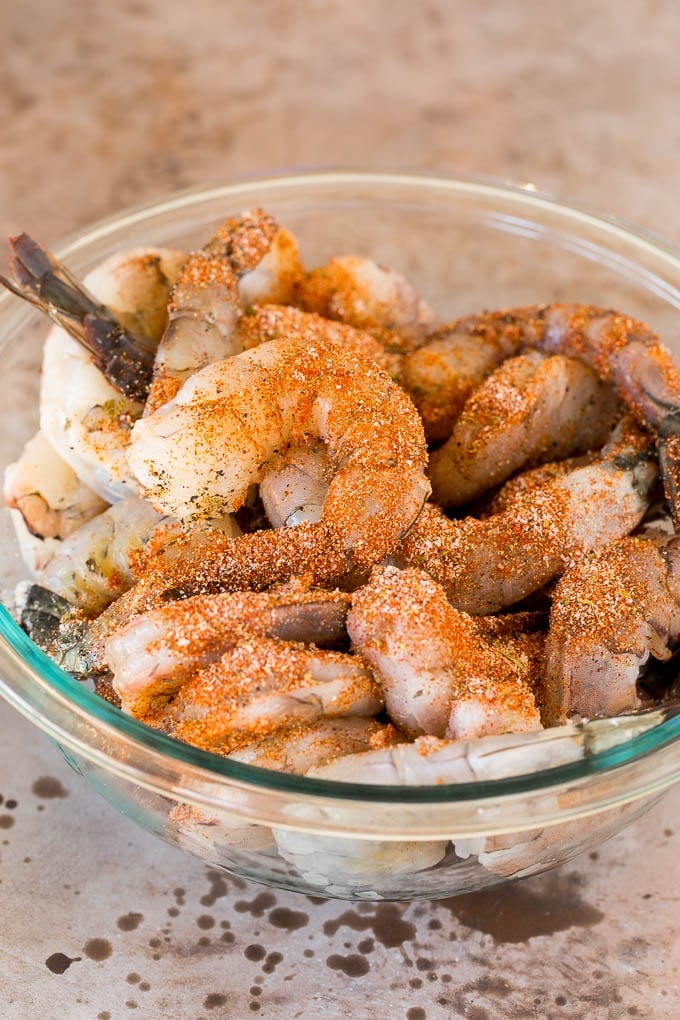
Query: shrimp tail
[[669, 463], [125, 358]]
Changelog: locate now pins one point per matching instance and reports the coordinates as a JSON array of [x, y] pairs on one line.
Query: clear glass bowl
[[467, 245]]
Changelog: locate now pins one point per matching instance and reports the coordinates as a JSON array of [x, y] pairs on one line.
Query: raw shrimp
[[96, 369], [439, 675], [358, 291], [611, 611], [485, 565], [48, 501], [622, 351], [263, 685], [532, 408], [271, 322], [249, 259], [200, 453], [252, 562], [154, 653], [97, 563], [218, 833], [339, 865], [309, 746], [521, 485]]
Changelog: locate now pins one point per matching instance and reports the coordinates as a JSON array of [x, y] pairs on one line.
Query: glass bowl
[[467, 245]]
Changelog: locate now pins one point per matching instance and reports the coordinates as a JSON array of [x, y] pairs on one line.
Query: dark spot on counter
[[416, 983], [526, 910], [128, 922], [204, 941], [366, 946], [416, 1013], [432, 976], [205, 921], [255, 1006], [154, 943], [593, 855], [423, 964], [214, 999], [272, 962], [256, 908], [144, 986], [47, 788], [290, 920], [179, 895], [173, 911], [255, 953], [386, 922], [104, 1015], [256, 990], [496, 987], [97, 950], [560, 1000], [353, 966], [309, 953], [6, 821], [58, 963], [446, 978], [434, 924], [667, 832], [133, 979], [131, 1004], [228, 936], [219, 887], [317, 901], [11, 804]]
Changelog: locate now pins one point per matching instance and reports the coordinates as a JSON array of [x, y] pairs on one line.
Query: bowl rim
[[83, 706]]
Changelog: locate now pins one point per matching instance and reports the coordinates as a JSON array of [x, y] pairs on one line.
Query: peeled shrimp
[[263, 685], [340, 865], [215, 834], [86, 417], [200, 453], [611, 611], [248, 259], [97, 562], [485, 565], [439, 675], [358, 291], [622, 351], [309, 746], [531, 408], [154, 653], [48, 501]]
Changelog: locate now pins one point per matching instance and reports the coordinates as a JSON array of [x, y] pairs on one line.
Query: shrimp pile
[[287, 516]]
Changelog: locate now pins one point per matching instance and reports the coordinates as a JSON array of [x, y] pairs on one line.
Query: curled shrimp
[[622, 351], [97, 361], [216, 833], [48, 501], [156, 652], [200, 453], [438, 673], [356, 290], [249, 259], [611, 611], [486, 565], [533, 407], [263, 685], [338, 865]]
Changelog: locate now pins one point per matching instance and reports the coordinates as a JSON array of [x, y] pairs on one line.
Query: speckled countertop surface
[[102, 105]]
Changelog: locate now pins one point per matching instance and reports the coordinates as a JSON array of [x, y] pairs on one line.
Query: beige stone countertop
[[104, 105]]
